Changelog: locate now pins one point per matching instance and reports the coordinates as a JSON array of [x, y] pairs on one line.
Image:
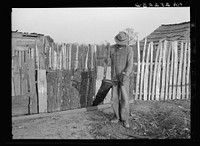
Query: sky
[[94, 25]]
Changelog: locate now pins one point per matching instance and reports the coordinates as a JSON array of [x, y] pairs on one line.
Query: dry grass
[[149, 120]]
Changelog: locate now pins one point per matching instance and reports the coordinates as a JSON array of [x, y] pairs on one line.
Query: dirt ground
[[148, 120]]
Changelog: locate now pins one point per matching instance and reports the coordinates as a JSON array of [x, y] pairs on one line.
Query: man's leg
[[125, 103], [115, 103]]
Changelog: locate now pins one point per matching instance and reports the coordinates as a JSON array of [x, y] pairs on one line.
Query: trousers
[[120, 101]]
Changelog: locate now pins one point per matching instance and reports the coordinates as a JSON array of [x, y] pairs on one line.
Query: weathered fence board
[[160, 47], [146, 74], [184, 72], [151, 72], [32, 86], [180, 69], [171, 73], [175, 49], [155, 73], [167, 72], [42, 90], [163, 71], [188, 72], [142, 70]]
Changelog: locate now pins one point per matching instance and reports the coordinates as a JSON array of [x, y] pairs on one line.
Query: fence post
[[159, 72], [146, 74], [155, 73], [188, 72], [151, 72], [175, 48], [163, 71], [184, 72], [138, 71], [180, 73], [142, 71], [167, 72]]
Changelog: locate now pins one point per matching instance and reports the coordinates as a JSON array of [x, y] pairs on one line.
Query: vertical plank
[[151, 72], [163, 71], [167, 72], [67, 56], [92, 56], [55, 60], [146, 74], [184, 72], [20, 59], [171, 72], [70, 48], [32, 85], [160, 47], [138, 71], [180, 73], [142, 70], [86, 59], [50, 57], [64, 56], [175, 48], [188, 73], [60, 58], [42, 90], [76, 61], [37, 55], [155, 73]]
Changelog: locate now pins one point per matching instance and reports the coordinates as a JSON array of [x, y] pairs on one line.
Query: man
[[121, 56]]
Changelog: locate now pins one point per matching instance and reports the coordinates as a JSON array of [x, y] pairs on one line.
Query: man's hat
[[121, 38]]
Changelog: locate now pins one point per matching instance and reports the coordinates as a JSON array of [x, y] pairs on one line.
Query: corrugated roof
[[180, 31]]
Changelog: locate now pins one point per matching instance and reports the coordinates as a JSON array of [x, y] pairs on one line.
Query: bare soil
[[148, 120]]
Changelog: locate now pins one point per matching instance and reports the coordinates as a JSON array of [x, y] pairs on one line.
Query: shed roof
[[179, 31]]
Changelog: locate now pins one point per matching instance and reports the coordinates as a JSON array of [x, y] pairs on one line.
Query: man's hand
[[122, 78]]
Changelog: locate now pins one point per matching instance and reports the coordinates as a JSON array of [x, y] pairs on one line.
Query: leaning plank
[[151, 72], [171, 72], [160, 47], [155, 73], [184, 71], [180, 73], [146, 74], [163, 71], [167, 72], [142, 70], [188, 73], [175, 48], [32, 85], [42, 90], [138, 72]]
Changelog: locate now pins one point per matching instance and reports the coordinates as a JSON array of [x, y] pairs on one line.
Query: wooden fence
[[163, 71], [48, 78], [56, 77]]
